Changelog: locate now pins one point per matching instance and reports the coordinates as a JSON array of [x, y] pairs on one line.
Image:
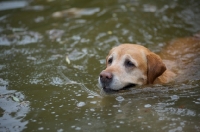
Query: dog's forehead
[[129, 50]]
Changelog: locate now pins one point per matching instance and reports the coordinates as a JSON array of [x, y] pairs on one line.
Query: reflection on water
[[75, 12], [20, 38], [13, 108], [7, 5], [41, 90]]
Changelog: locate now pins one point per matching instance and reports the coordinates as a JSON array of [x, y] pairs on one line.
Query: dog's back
[[182, 56]]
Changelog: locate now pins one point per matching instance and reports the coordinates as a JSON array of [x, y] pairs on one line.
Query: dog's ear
[[155, 67]]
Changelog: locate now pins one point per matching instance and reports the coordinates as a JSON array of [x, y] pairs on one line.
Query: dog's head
[[128, 65]]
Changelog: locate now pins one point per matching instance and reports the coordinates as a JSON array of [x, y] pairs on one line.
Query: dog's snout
[[106, 76]]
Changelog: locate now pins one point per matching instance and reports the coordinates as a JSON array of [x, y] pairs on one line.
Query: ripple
[[20, 38], [8, 5], [119, 98]]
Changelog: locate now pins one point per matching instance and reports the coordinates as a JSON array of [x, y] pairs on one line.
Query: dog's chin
[[109, 90]]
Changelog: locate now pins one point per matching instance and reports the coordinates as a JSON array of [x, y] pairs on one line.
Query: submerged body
[[128, 65]]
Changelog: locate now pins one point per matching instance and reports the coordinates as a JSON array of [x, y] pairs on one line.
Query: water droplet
[[80, 104], [89, 123], [93, 102], [92, 109], [174, 97], [78, 95], [119, 98], [90, 96], [41, 128], [121, 122], [77, 128], [147, 105], [119, 110], [115, 105], [60, 130], [196, 102]]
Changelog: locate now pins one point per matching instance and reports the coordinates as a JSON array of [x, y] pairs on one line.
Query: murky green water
[[40, 90]]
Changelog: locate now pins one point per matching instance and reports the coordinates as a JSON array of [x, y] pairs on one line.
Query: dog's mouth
[[124, 88], [128, 86]]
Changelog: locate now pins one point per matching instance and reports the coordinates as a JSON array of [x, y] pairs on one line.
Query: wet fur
[[150, 68]]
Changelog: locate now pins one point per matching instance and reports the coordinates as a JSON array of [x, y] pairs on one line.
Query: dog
[[129, 65]]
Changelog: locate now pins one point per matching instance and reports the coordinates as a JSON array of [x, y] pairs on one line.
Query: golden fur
[[131, 64]]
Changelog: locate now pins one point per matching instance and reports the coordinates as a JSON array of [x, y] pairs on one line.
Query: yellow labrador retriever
[[128, 65]]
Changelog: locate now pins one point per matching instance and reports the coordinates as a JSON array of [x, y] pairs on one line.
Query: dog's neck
[[166, 77]]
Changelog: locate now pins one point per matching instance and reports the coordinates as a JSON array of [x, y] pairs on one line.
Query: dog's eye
[[128, 63], [110, 60]]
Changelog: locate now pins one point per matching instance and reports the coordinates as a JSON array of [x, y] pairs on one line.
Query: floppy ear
[[155, 67]]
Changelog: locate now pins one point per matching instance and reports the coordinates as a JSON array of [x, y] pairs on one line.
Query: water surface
[[41, 90]]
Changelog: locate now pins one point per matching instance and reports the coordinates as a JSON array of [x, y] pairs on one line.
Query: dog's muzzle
[[106, 79]]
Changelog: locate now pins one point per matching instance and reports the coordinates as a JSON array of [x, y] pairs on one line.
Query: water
[[41, 91]]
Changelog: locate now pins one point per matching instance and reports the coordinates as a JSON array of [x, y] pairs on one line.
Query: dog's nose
[[106, 76]]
